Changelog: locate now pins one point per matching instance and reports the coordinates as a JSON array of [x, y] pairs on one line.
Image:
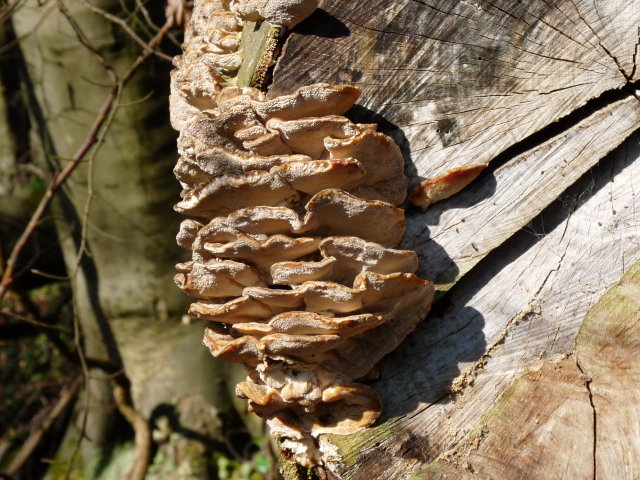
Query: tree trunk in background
[[7, 148], [491, 386], [126, 302]]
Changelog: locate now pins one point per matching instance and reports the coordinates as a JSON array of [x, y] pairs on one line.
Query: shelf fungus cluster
[[293, 227]]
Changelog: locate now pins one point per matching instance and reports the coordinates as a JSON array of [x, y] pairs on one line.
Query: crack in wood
[[522, 116], [587, 383], [557, 128], [465, 379], [635, 56], [628, 77]]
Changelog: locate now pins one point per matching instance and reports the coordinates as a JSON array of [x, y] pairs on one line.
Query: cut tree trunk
[[493, 384]]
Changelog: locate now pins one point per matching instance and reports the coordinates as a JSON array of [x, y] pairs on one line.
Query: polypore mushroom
[[293, 247], [312, 176], [312, 101], [355, 255], [264, 254], [310, 323], [214, 161], [240, 309], [306, 135], [335, 212], [443, 186], [294, 273], [281, 13], [216, 278], [329, 212], [226, 193], [237, 350], [381, 159]]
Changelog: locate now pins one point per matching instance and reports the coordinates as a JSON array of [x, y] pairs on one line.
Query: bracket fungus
[[293, 234], [438, 188]]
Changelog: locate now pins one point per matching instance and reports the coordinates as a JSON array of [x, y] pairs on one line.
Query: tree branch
[[59, 177], [36, 435], [125, 26], [140, 425]]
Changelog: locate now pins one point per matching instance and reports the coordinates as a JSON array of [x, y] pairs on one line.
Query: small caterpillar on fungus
[[293, 247]]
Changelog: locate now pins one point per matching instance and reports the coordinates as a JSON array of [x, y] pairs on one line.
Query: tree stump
[[505, 378]]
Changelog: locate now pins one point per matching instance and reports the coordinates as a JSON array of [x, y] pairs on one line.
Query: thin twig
[[85, 409], [7, 10], [16, 41], [59, 178], [36, 435], [125, 26], [87, 207], [140, 426], [25, 318], [51, 276]]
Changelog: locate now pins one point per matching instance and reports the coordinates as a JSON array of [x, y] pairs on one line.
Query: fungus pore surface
[[293, 227]]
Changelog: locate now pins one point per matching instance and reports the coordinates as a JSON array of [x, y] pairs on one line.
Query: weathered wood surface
[[607, 352], [545, 91], [523, 304], [584, 406], [466, 80], [453, 236]]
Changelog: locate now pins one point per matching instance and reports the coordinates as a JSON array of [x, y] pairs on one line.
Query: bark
[[544, 92], [116, 210], [8, 147]]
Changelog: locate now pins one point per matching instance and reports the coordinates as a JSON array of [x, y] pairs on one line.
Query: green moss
[[259, 45], [58, 471], [614, 309], [350, 446], [290, 470], [113, 465]]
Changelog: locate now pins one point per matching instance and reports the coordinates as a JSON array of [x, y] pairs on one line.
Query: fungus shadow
[[480, 189], [435, 263], [360, 114], [422, 369], [322, 24], [175, 425]]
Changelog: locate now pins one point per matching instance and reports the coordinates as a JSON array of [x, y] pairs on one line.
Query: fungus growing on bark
[[444, 186], [294, 241]]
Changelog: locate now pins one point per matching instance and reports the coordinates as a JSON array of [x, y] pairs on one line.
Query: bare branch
[[125, 26], [37, 433], [142, 454], [92, 137], [7, 10], [27, 319]]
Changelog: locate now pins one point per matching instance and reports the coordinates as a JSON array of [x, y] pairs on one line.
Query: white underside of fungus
[[293, 229]]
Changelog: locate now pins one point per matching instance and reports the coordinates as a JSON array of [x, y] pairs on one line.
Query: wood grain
[[571, 422], [463, 80], [453, 236], [608, 347], [523, 304], [550, 406], [545, 91]]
